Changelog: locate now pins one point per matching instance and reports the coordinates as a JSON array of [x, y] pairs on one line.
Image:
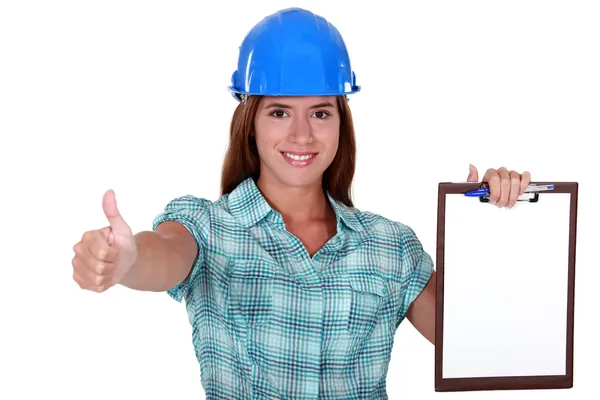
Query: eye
[[278, 113], [320, 114]]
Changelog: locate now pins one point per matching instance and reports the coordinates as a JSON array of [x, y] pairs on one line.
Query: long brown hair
[[242, 161]]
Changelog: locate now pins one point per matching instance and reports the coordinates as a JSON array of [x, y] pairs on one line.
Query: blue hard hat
[[293, 52]]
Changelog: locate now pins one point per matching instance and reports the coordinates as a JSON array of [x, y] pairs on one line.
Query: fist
[[505, 186], [104, 256]]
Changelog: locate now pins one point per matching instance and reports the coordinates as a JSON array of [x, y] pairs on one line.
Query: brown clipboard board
[[507, 382]]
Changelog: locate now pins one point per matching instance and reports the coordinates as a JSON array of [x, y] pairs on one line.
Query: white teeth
[[299, 158]]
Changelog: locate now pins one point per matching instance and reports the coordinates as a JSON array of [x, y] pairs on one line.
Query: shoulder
[[188, 202], [394, 245], [377, 225], [387, 233], [192, 208]]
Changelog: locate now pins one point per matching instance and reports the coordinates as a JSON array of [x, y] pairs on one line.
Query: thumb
[[473, 175], [118, 225]]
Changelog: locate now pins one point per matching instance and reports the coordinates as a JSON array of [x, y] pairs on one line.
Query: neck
[[296, 204]]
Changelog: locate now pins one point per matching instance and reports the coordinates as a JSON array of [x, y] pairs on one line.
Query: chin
[[299, 180], [292, 177]]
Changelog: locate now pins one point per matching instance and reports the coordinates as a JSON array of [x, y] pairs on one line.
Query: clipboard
[[505, 290]]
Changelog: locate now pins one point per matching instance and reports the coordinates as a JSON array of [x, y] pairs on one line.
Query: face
[[297, 138]]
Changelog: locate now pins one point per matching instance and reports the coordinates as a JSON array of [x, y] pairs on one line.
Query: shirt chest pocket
[[250, 299], [368, 293]]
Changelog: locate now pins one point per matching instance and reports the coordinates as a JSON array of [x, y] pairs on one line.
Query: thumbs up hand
[[104, 256]]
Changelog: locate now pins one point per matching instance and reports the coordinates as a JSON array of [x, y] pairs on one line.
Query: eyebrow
[[281, 105]]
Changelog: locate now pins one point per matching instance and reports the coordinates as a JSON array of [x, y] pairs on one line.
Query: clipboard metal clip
[[531, 197], [531, 194]]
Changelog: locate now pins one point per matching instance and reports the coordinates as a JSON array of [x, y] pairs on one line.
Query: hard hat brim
[[237, 94]]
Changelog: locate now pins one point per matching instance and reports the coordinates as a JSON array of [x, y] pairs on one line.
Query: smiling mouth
[[298, 160], [299, 157]]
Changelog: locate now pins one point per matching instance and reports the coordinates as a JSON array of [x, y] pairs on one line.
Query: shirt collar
[[346, 214], [248, 206]]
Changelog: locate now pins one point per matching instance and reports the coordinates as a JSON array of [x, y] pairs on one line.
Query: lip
[[299, 163], [298, 153]]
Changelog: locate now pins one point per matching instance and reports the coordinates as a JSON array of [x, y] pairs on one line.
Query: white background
[[131, 95]]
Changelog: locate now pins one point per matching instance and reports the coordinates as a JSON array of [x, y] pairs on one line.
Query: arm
[[164, 258], [421, 312]]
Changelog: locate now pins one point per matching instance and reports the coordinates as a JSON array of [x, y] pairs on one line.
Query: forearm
[[156, 266]]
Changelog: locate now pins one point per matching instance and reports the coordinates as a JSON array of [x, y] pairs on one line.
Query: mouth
[[298, 159]]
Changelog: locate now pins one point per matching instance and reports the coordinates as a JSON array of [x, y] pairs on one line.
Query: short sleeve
[[193, 213], [417, 265]]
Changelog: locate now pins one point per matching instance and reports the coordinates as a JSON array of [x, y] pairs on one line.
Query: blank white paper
[[505, 287]]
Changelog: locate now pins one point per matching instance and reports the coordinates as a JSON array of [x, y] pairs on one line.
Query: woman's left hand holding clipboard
[[505, 186]]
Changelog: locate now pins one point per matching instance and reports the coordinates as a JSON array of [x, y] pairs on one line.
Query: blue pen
[[481, 192]]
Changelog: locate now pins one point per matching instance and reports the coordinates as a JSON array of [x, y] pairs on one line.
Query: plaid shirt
[[269, 322]]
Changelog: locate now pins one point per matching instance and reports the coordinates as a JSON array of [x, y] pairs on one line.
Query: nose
[[301, 131]]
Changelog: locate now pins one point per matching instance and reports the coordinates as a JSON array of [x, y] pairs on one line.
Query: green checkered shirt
[[269, 322]]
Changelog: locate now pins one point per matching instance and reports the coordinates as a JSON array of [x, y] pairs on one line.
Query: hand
[[104, 256], [505, 186]]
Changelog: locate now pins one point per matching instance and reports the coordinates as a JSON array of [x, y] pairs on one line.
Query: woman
[[291, 291]]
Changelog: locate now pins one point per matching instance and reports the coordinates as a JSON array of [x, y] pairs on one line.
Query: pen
[[484, 191]]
